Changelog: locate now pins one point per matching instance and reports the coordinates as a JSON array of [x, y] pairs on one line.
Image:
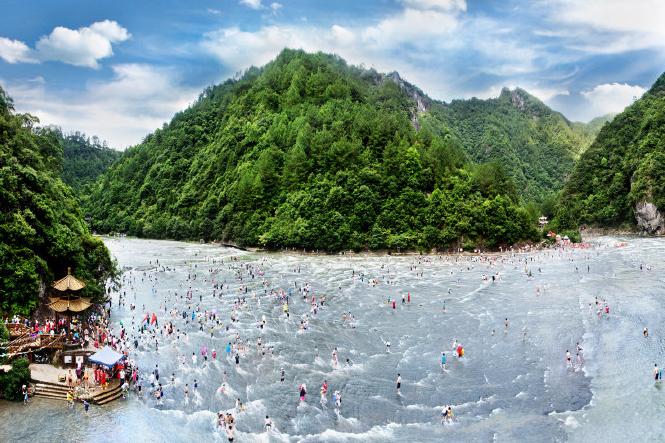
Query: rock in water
[[649, 218]]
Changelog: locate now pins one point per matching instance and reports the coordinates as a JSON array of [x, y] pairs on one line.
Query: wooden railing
[[30, 342], [17, 329]]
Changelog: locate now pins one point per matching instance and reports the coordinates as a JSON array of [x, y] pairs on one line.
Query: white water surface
[[506, 388]]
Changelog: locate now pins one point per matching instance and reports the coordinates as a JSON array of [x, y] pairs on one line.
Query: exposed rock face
[[421, 101], [649, 218]]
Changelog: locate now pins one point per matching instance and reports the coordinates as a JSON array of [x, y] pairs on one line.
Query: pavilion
[[70, 302]]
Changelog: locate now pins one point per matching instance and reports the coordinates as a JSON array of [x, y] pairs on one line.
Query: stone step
[[51, 395], [102, 396], [109, 399]]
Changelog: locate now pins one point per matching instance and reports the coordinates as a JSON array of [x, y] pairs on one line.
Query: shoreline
[[524, 248]]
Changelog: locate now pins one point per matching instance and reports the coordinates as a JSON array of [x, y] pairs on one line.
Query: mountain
[[42, 231], [308, 152], [620, 179], [85, 158], [591, 129], [537, 146]]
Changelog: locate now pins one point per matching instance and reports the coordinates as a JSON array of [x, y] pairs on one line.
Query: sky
[[121, 69]]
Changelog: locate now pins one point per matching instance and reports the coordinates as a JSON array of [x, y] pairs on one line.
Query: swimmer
[[303, 392], [645, 332], [268, 424], [443, 361], [399, 384]]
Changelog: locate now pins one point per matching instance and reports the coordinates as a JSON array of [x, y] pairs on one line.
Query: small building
[[68, 302]]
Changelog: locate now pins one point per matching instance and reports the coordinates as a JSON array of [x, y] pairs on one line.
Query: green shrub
[[11, 382]]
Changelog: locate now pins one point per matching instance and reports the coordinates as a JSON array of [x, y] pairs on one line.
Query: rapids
[[511, 385]]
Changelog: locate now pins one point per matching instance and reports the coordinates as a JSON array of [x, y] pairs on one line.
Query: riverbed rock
[[649, 218]]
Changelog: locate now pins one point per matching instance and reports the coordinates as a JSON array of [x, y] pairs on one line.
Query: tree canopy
[[42, 231], [308, 152], [624, 166]]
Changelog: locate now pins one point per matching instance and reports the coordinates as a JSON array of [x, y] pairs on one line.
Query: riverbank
[[518, 248]]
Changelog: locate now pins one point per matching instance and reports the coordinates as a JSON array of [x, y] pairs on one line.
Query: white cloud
[[275, 6], [611, 97], [427, 42], [443, 5], [414, 26], [84, 46], [611, 26], [15, 51], [254, 4], [136, 101]]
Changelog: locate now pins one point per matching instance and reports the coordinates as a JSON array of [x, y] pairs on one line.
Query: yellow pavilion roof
[[69, 283], [63, 304]]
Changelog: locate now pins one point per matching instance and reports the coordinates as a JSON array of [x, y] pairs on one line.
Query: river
[[511, 385]]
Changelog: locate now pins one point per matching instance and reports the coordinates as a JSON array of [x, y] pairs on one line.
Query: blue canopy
[[106, 357]]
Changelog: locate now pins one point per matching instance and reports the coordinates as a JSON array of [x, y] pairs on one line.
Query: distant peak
[[394, 76], [659, 85]]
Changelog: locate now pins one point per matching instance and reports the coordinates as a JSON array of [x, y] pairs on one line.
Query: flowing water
[[511, 385]]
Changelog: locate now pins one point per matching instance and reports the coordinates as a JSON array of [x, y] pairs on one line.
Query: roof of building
[[69, 283], [59, 304]]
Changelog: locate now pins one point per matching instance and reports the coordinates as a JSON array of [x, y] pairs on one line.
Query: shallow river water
[[512, 384]]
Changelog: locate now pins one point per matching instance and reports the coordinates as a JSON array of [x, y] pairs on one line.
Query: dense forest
[[42, 231], [310, 152], [537, 146], [85, 158], [623, 168]]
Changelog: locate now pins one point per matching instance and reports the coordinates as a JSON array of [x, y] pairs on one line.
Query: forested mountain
[[622, 174], [85, 158], [537, 146], [591, 129], [308, 152], [42, 231]]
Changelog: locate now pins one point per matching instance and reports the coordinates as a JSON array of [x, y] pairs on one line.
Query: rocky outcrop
[[649, 218], [421, 101]]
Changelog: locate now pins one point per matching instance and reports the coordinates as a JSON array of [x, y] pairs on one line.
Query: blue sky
[[120, 69]]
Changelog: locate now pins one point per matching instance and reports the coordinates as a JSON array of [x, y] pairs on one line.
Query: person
[[86, 406], [229, 426], [645, 332], [388, 346], [443, 360], [338, 400], [303, 392], [505, 323], [268, 424], [194, 359], [281, 376], [656, 371], [399, 383], [70, 398], [569, 363]]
